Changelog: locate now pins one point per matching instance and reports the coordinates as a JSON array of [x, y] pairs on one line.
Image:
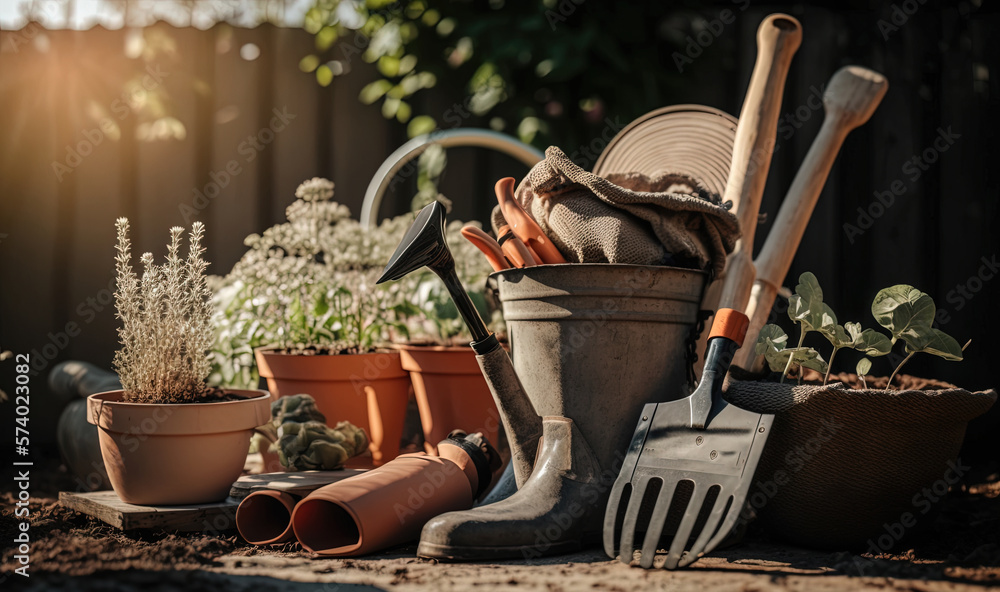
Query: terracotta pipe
[[389, 505], [265, 517]]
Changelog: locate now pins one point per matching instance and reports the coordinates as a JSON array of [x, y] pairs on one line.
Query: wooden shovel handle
[[852, 95], [778, 38]]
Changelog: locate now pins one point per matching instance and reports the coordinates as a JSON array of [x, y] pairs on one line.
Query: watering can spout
[[424, 245]]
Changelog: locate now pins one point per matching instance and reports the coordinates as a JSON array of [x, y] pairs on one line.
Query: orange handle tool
[[487, 245], [523, 225], [517, 253]]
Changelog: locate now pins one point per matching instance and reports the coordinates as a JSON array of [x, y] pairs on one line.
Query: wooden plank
[[107, 507], [99, 199], [167, 171], [299, 97], [298, 483], [234, 117]]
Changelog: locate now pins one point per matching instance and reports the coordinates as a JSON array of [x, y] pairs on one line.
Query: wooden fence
[[254, 129]]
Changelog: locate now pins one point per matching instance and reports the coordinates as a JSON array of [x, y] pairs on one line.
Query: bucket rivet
[[699, 440], [643, 418], [713, 455], [761, 429]]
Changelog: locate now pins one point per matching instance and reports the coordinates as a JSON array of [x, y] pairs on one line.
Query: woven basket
[[847, 469]]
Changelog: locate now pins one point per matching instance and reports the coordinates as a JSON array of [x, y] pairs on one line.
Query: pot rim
[[431, 347], [272, 351], [261, 393], [583, 266], [218, 417]]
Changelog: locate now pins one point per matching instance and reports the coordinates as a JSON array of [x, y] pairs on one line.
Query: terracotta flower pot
[[368, 390], [451, 392], [175, 454]]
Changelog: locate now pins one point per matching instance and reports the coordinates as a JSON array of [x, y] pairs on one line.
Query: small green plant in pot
[[849, 453], [302, 303], [905, 311], [167, 437]]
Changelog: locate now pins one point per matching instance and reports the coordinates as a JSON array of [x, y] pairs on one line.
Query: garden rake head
[[689, 465]]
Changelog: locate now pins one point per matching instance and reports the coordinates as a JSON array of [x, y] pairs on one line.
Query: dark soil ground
[[70, 551]]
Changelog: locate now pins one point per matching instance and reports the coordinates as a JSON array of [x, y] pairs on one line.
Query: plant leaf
[[917, 336], [806, 307], [809, 358], [872, 343], [813, 316], [808, 288], [901, 307], [777, 360], [771, 337], [940, 344], [836, 335], [864, 366]]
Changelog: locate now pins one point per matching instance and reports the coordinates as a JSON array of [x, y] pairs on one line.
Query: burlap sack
[[666, 219], [842, 467]]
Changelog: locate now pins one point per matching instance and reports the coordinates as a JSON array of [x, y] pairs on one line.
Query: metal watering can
[[591, 345]]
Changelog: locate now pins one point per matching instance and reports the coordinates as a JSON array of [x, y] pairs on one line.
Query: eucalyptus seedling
[[904, 310], [772, 345], [864, 366], [908, 313]]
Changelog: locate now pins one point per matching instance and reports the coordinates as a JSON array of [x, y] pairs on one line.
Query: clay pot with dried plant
[[166, 437]]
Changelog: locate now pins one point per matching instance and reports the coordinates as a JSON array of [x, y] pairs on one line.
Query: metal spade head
[[422, 245]]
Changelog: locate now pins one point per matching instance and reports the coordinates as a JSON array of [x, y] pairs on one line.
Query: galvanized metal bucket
[[596, 342]]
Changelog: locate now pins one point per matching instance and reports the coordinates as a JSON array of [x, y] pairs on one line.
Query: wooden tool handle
[[852, 95], [778, 37]]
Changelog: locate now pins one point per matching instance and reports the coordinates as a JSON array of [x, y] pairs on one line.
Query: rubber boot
[[556, 511]]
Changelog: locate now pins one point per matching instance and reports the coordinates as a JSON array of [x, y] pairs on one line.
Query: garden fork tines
[[691, 460]]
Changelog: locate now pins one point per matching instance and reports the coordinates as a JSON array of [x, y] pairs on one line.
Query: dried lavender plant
[[166, 314]]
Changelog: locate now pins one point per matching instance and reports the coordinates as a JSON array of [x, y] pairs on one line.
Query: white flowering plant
[[308, 285]]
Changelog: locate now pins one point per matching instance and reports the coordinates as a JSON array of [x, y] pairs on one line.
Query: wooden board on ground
[[107, 507], [299, 483]]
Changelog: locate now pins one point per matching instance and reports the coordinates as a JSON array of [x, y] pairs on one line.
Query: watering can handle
[[469, 137]]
